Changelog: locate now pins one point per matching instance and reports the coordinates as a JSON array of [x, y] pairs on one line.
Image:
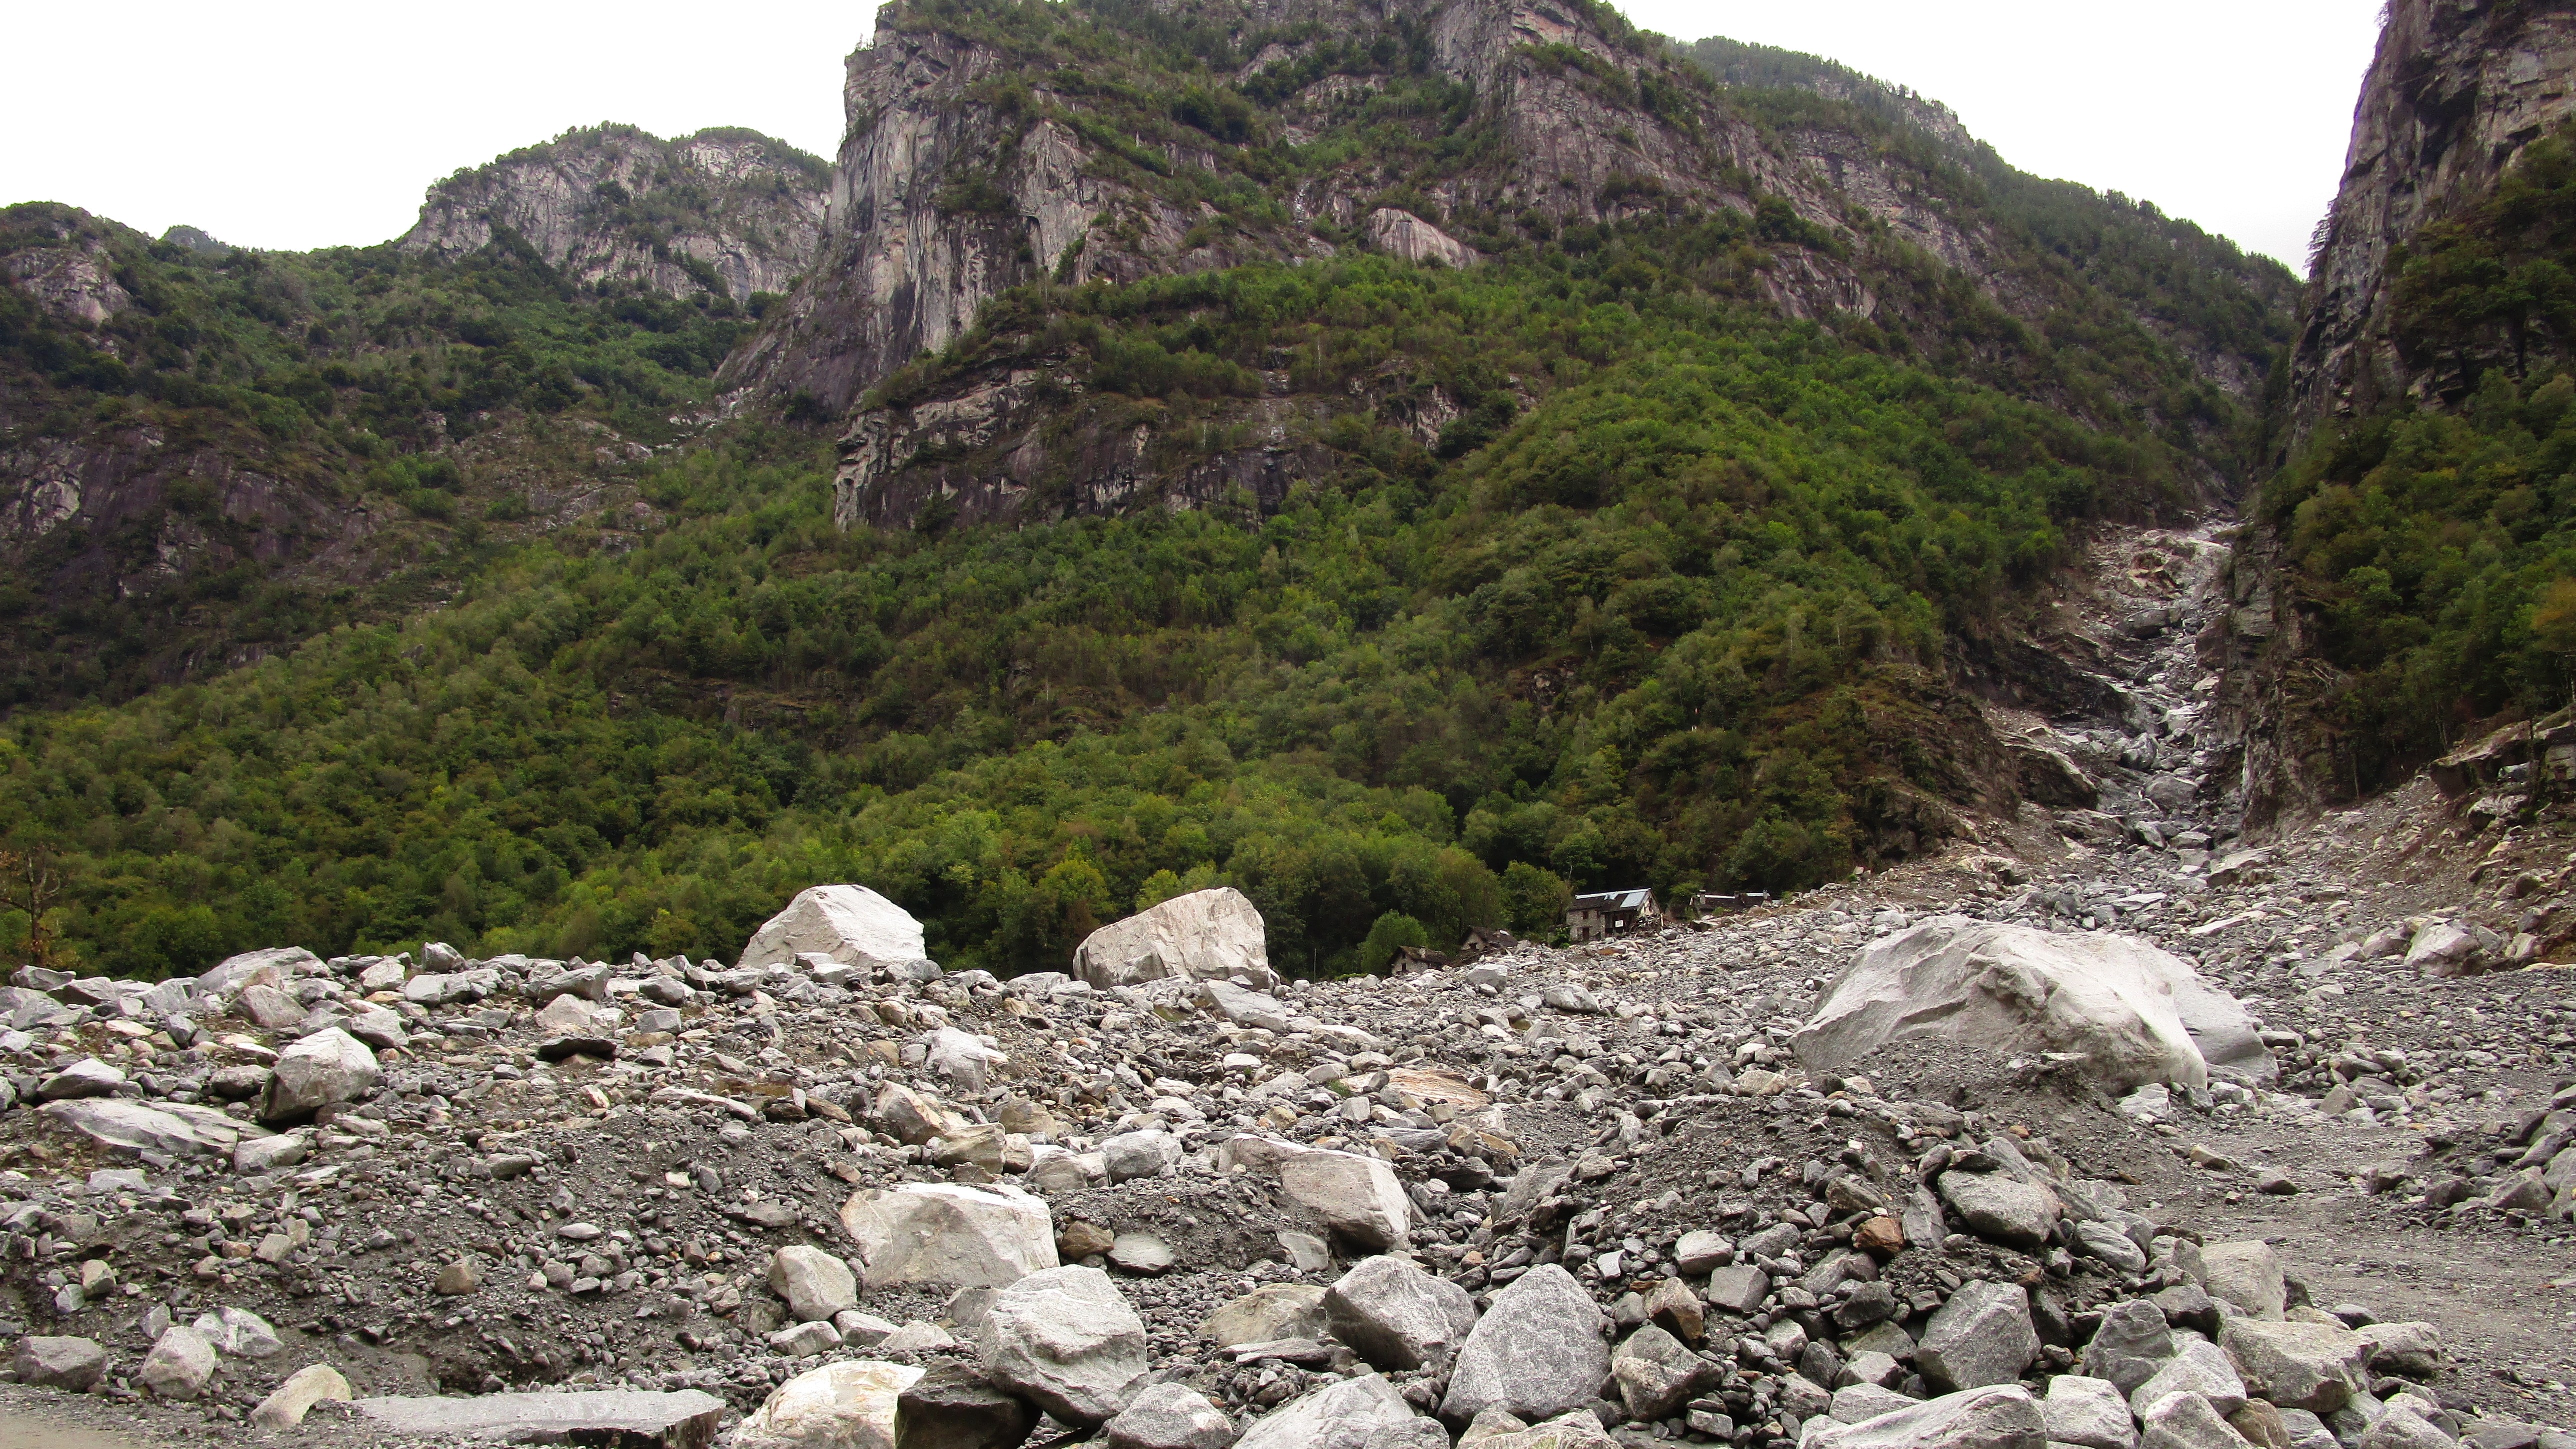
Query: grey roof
[[1628, 900]]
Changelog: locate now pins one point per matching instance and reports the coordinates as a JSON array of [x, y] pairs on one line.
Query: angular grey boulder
[[75, 1364], [2113, 1001], [1067, 1341], [1657, 1373], [815, 1284], [1982, 1336], [949, 1234], [88, 1077], [180, 1364], [2133, 1342], [1397, 1316], [2001, 1208], [1170, 1416], [2187, 1421], [1213, 934], [2247, 1274], [2197, 1367], [1266, 1314], [1344, 1415], [2311, 1366], [327, 1069], [851, 924], [1536, 1353], [2090, 1413], [2001, 1416], [1357, 1196]]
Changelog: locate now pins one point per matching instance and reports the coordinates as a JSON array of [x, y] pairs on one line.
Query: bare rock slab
[[684, 1420]]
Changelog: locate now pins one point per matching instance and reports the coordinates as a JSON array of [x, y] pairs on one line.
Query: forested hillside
[[1408, 589], [207, 453]]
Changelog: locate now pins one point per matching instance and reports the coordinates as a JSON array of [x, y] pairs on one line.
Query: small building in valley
[[1604, 914]]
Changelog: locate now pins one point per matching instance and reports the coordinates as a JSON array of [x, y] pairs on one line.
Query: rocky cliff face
[[2456, 93], [973, 167], [2457, 90], [969, 170], [724, 211]]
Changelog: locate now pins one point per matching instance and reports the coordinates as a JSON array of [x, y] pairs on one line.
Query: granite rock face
[[942, 200], [749, 210]]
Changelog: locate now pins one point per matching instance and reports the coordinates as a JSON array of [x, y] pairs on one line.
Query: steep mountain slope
[[2410, 569], [208, 453], [1409, 466], [730, 212], [994, 147]]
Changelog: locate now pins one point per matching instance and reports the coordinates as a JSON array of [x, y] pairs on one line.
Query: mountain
[[208, 453], [994, 148], [727, 212], [2404, 572], [1407, 463]]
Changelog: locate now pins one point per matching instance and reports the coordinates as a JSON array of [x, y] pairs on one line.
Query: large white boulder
[[1211, 935], [848, 923], [848, 1405], [2115, 1001], [949, 1234]]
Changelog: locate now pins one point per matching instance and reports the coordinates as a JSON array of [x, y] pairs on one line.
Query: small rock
[[286, 1407], [1140, 1253]]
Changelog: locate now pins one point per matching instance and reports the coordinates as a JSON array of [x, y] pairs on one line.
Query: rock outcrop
[[971, 169], [2456, 93], [2457, 90], [725, 211]]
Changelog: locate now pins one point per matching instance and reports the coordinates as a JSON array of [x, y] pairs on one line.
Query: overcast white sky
[[293, 124]]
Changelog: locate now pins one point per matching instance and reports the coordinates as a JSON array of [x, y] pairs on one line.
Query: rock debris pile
[[843, 1197]]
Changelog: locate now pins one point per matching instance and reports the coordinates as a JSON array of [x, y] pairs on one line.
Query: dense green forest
[[2436, 544]]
